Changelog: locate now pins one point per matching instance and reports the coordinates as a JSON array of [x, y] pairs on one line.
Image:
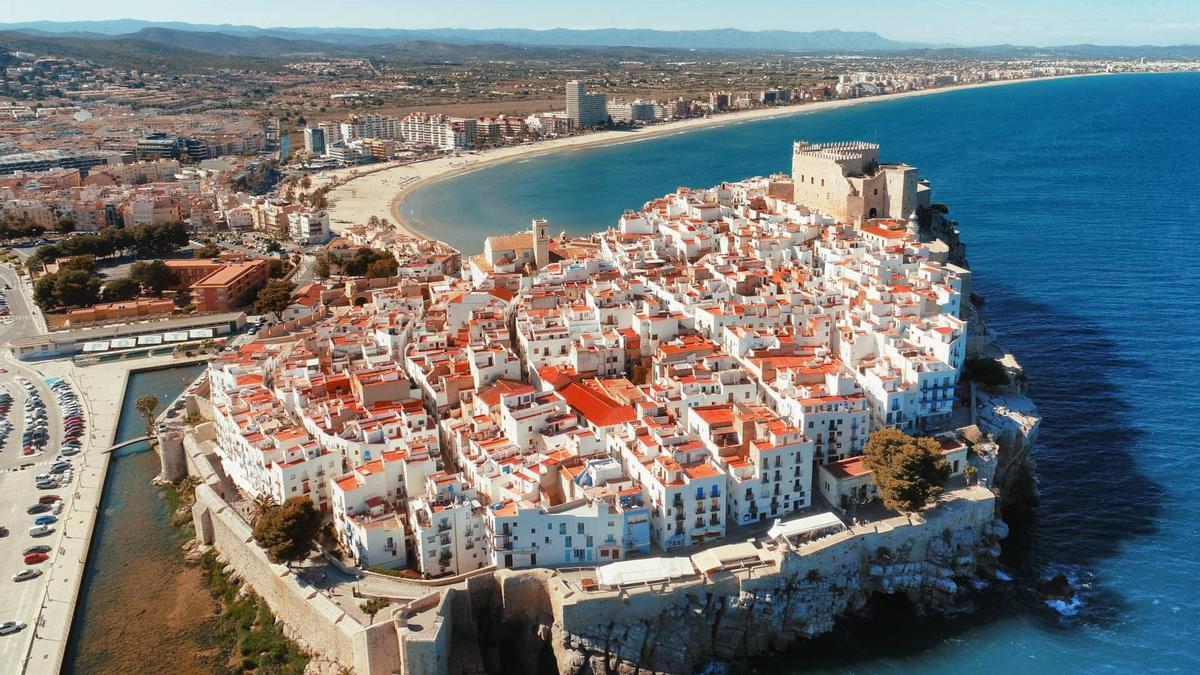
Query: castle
[[845, 180]]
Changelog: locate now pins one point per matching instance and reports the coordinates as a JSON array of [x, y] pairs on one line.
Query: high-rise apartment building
[[314, 140], [584, 109]]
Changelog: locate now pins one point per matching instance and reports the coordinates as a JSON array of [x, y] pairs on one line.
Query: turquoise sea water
[[1079, 202]]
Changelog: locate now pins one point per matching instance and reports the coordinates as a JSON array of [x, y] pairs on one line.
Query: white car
[[10, 627], [40, 531], [26, 575]]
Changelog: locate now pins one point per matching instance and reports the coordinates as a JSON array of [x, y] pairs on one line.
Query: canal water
[[140, 609]]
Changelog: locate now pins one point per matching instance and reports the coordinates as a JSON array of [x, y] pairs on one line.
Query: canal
[[141, 609]]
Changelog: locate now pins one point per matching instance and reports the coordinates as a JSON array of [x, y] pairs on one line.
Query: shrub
[[985, 372]]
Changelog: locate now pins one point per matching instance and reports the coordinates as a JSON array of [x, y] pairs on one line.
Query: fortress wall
[[312, 619], [678, 626]]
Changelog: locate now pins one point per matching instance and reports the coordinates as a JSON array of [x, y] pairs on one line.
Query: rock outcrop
[[736, 614]]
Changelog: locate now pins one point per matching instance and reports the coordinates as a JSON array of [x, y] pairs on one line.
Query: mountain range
[[173, 45], [711, 39]]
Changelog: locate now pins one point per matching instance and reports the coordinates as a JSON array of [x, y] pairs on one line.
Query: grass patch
[[244, 637], [261, 645], [402, 573]]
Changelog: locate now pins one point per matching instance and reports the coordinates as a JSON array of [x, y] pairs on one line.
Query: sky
[[962, 22]]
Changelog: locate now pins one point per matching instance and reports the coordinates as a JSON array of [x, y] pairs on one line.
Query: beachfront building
[[585, 109], [438, 132], [309, 227]]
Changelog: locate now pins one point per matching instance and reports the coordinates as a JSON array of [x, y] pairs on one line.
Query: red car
[[33, 558], [49, 499]]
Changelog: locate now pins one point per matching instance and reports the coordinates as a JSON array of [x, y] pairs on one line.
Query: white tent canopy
[[805, 526], [644, 570]]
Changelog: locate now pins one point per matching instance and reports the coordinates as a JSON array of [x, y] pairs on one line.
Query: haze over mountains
[[174, 43], [721, 38]]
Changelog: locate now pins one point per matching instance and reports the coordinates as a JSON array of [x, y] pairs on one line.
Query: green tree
[[147, 406], [909, 472], [120, 289], [43, 292], [287, 533], [154, 276], [322, 268], [76, 288], [86, 263], [274, 297], [383, 268], [373, 606], [278, 268], [970, 473], [65, 224], [207, 251]]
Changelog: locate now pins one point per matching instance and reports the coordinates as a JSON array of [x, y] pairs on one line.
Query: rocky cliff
[[1005, 415], [734, 615]]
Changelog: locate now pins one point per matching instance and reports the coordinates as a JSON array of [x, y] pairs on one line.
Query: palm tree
[[263, 504], [147, 406]]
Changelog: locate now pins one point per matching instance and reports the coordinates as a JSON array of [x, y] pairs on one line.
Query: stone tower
[[914, 226], [541, 242]]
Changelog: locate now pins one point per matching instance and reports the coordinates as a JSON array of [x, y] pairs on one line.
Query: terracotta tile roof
[[596, 407]]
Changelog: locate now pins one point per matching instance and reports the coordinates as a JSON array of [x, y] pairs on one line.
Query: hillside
[[129, 52]]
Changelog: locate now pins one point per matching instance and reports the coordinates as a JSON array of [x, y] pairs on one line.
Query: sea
[[1079, 200]]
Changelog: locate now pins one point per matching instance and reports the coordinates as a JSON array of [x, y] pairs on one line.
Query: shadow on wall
[[1094, 499]]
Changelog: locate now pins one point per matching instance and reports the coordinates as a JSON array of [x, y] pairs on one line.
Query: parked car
[[48, 485], [40, 531], [26, 575], [36, 548], [45, 520], [40, 507], [10, 627], [49, 499], [35, 558]]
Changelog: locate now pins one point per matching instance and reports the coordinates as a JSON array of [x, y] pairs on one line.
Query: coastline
[[358, 198]]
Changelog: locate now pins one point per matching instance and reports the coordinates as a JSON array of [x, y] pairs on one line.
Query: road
[[22, 601]]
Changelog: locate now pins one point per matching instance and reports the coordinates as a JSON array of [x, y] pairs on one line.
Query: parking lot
[[36, 418]]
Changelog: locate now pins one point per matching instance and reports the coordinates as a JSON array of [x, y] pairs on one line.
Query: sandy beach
[[379, 190]]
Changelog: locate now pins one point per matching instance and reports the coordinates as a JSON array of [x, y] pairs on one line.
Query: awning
[[644, 570], [806, 525]]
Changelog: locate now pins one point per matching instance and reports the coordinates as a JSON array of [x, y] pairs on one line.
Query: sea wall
[[678, 626], [312, 620]]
